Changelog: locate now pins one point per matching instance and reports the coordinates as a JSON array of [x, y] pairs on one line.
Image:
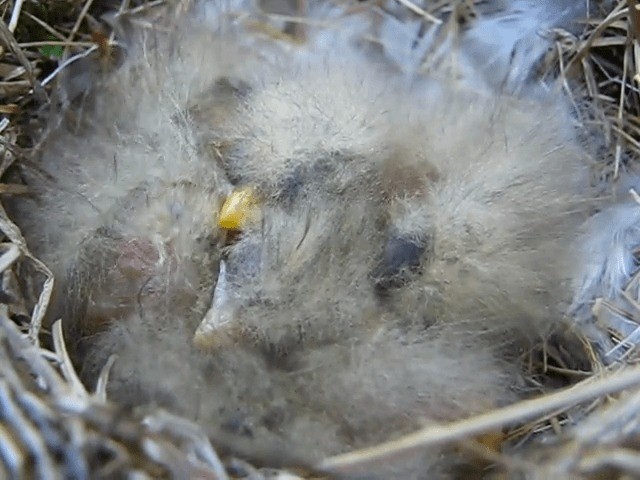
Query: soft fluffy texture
[[127, 185], [497, 44], [467, 187], [412, 235]]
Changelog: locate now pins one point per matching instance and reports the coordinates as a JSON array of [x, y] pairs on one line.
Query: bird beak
[[216, 328], [239, 209]]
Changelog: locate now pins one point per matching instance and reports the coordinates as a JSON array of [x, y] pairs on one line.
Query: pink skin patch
[[138, 258], [143, 280]]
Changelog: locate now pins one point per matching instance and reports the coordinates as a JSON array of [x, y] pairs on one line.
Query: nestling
[[401, 237]]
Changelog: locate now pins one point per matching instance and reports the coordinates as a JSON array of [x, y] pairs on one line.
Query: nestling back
[[409, 235]]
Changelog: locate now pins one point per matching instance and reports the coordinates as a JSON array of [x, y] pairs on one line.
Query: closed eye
[[402, 256]]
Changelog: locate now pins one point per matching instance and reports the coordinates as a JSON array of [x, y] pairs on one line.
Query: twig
[[419, 11], [103, 379], [491, 421], [9, 257], [54, 43], [634, 16], [15, 15], [83, 14], [66, 366], [585, 47], [68, 62], [6, 36], [620, 115], [46, 26]]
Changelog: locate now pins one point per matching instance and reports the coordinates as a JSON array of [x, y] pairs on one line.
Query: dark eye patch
[[293, 186], [402, 256]]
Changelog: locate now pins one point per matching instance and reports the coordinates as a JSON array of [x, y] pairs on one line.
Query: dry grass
[[599, 70], [590, 428]]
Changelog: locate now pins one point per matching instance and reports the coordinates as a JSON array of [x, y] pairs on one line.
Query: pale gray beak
[[217, 324]]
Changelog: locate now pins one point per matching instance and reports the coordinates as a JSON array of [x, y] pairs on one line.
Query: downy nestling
[[398, 239]]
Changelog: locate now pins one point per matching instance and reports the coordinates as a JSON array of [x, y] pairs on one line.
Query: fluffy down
[[411, 238], [441, 181], [496, 44]]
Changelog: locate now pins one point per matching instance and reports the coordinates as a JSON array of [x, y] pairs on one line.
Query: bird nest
[[585, 424]]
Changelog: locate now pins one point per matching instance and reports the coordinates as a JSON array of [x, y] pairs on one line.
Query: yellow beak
[[239, 209]]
